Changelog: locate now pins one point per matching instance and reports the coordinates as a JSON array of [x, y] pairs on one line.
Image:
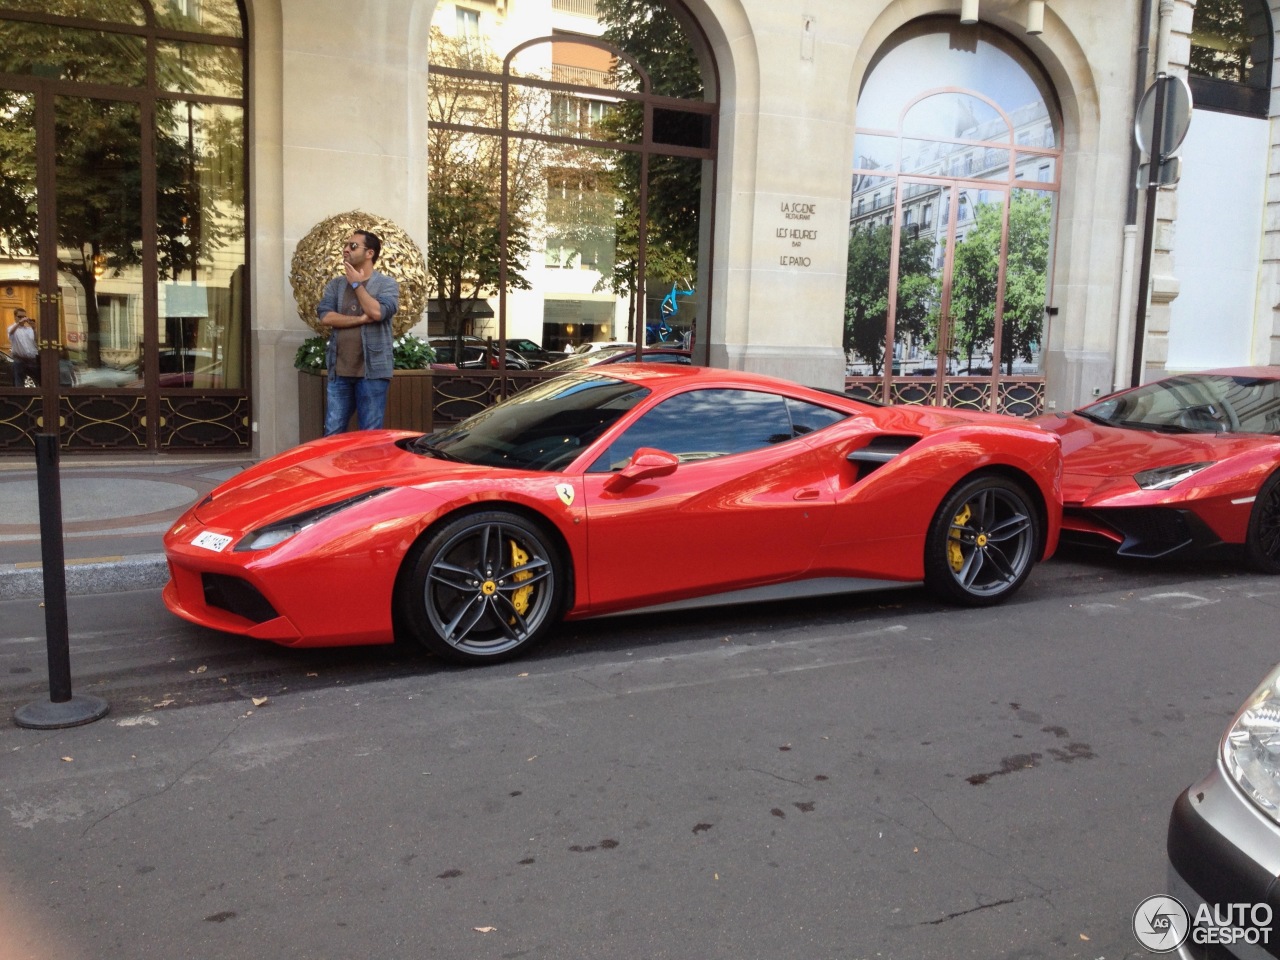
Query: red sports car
[[597, 492], [1189, 461]]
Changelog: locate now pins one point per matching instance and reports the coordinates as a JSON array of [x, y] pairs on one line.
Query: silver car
[[1224, 842]]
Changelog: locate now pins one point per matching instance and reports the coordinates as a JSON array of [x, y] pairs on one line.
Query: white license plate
[[211, 541]]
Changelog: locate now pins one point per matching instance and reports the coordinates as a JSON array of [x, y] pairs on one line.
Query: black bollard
[[62, 708]]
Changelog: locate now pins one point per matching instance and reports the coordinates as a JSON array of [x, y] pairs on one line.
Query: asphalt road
[[866, 777]]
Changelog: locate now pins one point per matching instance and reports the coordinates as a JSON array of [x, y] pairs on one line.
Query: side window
[[808, 417], [703, 424]]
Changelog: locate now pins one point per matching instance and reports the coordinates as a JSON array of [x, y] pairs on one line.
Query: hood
[[1093, 450], [319, 473]]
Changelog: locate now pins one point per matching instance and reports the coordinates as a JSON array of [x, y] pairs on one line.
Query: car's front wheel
[[483, 587], [1262, 542], [982, 543]]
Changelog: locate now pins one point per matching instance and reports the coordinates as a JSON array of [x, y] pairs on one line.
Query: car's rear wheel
[[983, 542], [1262, 542], [483, 588]]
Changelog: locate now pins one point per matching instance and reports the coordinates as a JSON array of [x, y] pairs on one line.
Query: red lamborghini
[[1190, 461], [597, 492]]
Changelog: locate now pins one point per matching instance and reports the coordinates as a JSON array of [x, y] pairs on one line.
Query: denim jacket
[[376, 338]]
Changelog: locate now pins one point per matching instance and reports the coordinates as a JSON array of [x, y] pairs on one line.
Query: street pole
[[62, 709], [1155, 161]]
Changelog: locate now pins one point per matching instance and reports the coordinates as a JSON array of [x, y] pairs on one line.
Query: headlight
[[1251, 748], [1162, 478], [282, 530]]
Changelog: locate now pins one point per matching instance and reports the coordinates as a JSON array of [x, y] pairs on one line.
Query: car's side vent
[[878, 451]]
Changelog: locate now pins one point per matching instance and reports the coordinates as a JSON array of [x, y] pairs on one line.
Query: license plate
[[211, 541]]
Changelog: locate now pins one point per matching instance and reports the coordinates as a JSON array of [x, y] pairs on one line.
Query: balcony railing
[[582, 8]]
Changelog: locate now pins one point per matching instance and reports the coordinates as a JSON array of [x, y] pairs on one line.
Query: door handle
[[808, 493]]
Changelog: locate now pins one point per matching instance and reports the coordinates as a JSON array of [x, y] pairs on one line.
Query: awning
[[480, 308]]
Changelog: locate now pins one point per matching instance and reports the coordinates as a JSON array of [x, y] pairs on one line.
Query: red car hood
[[320, 473], [1093, 450], [1093, 453]]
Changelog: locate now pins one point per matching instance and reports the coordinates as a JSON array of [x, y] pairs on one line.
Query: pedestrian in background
[[358, 307], [22, 343]]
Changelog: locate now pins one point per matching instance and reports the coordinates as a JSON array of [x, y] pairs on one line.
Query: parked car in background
[[619, 355], [476, 354], [687, 483], [536, 356], [1190, 461], [1224, 842], [594, 345]]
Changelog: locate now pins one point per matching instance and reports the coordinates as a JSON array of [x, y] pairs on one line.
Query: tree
[[975, 279], [465, 166], [650, 32], [866, 305], [98, 162]]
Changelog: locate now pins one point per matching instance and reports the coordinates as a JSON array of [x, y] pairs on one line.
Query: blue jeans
[[367, 398]]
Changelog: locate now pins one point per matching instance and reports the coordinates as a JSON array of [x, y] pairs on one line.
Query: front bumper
[[1148, 532], [1223, 853]]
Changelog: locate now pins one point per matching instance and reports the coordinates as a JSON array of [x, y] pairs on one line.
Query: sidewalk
[[114, 515]]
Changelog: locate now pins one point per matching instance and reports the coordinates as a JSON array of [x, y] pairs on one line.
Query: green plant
[[412, 353], [409, 352], [310, 357]]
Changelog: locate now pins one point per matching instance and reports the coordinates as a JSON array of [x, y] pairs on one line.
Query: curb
[[132, 573]]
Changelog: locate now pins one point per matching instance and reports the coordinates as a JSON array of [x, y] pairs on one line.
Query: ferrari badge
[[565, 491]]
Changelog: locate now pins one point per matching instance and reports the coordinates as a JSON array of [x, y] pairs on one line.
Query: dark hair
[[372, 242]]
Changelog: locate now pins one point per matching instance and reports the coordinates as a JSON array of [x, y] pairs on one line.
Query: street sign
[[1175, 119]]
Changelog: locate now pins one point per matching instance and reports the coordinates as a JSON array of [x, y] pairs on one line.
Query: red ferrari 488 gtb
[[614, 488]]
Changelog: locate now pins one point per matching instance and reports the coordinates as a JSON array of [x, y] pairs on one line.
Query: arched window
[[569, 164], [123, 220], [1231, 51], [952, 312]]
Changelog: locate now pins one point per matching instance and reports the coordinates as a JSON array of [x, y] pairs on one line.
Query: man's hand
[[357, 275]]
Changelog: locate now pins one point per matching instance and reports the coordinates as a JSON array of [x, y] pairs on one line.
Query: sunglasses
[[354, 246]]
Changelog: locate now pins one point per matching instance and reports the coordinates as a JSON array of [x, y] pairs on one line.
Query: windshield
[[542, 428], [1195, 403]]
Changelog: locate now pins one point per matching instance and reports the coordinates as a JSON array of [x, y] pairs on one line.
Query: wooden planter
[[408, 403]]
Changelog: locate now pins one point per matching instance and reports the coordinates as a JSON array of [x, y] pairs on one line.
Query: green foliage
[[98, 160], [412, 352], [866, 307], [651, 32], [975, 278], [465, 169], [409, 351], [310, 357]]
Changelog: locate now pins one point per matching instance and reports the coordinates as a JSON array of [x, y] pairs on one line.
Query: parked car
[[1224, 842], [536, 356], [1187, 462], [476, 354], [594, 345], [687, 482], [619, 355]]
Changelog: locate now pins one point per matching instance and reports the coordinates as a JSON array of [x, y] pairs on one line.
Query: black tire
[[1262, 542], [982, 543], [483, 588]]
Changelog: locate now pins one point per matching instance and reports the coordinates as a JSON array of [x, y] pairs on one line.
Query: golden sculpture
[[318, 259]]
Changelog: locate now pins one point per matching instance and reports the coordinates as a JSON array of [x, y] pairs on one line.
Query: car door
[[746, 504]]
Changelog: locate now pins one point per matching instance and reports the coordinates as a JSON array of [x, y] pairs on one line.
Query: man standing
[[358, 308], [22, 342]]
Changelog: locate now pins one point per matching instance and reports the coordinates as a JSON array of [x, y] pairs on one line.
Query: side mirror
[[646, 463]]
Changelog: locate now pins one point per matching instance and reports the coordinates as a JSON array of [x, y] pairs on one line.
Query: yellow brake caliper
[[955, 555], [520, 599]]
